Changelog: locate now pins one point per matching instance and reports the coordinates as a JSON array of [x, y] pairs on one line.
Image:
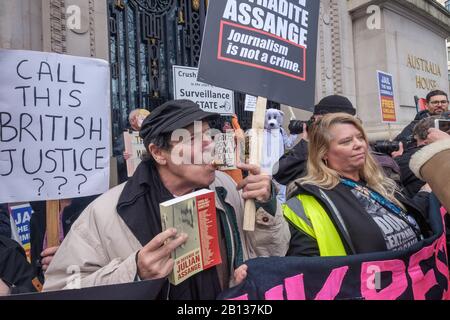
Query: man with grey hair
[[119, 238]]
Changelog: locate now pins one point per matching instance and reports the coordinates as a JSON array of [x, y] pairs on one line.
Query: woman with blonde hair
[[345, 204]]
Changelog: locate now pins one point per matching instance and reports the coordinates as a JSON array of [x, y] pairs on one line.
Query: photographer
[[293, 164], [437, 104], [411, 183]]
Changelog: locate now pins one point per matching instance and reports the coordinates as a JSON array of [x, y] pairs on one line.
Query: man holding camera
[[411, 183], [437, 104], [293, 164]]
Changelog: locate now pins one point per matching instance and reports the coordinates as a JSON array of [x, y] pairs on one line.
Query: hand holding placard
[[256, 141]]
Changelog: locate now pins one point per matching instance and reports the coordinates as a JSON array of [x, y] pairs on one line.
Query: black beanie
[[172, 115], [334, 104]]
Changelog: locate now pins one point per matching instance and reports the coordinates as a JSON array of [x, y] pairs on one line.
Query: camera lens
[[386, 146], [296, 126]]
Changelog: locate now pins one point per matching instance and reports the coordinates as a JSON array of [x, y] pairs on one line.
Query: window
[[447, 5]]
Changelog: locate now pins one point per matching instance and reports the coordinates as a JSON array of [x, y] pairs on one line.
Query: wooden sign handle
[[52, 217], [256, 141]]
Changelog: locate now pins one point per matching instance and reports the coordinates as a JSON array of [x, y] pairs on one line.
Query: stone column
[[21, 25], [76, 27]]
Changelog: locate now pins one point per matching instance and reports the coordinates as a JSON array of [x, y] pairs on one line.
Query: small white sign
[[209, 98], [134, 146], [54, 126], [250, 103]]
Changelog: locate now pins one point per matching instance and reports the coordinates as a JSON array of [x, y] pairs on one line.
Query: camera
[[442, 124], [296, 126], [386, 146]]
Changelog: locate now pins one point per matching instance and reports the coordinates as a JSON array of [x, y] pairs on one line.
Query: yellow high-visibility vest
[[308, 215]]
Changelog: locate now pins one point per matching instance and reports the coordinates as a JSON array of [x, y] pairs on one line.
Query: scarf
[[138, 206]]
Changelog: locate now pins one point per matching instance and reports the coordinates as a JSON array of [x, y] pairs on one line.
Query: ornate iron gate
[[147, 37]]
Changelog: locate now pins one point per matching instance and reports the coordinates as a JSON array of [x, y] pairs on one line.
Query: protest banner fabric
[[418, 273]]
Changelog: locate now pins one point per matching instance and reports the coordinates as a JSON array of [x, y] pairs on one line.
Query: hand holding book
[[194, 214], [154, 260]]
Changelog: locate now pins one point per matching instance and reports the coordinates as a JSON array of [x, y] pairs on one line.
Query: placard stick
[[52, 217], [256, 141]]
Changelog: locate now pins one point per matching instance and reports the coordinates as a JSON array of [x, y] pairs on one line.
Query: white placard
[[225, 150], [209, 98], [54, 126], [134, 146], [250, 103]]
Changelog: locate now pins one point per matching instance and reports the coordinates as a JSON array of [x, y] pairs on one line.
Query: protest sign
[[263, 48], [134, 146], [250, 103], [209, 98], [386, 93], [54, 126], [21, 215]]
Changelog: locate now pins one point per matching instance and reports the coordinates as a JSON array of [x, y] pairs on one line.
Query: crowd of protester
[[338, 191]]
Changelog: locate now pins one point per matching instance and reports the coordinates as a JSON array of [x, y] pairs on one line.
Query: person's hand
[[126, 155], [304, 134], [256, 186], [47, 257], [154, 260], [240, 274], [4, 289], [436, 135], [399, 152]]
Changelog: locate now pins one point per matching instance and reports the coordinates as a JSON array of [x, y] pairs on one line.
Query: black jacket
[[15, 270], [292, 165], [5, 223], [410, 182], [302, 244], [118, 150], [406, 136]]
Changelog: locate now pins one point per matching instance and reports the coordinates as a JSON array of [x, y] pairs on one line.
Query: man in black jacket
[[437, 104]]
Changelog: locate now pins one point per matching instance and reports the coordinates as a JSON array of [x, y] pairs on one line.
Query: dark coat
[[302, 244], [119, 148], [15, 270], [5, 223], [406, 136], [292, 165], [410, 182]]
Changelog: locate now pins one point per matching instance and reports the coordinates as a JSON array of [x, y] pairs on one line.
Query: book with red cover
[[195, 215]]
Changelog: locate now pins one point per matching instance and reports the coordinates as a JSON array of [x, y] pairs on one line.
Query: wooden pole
[[256, 141], [52, 218]]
